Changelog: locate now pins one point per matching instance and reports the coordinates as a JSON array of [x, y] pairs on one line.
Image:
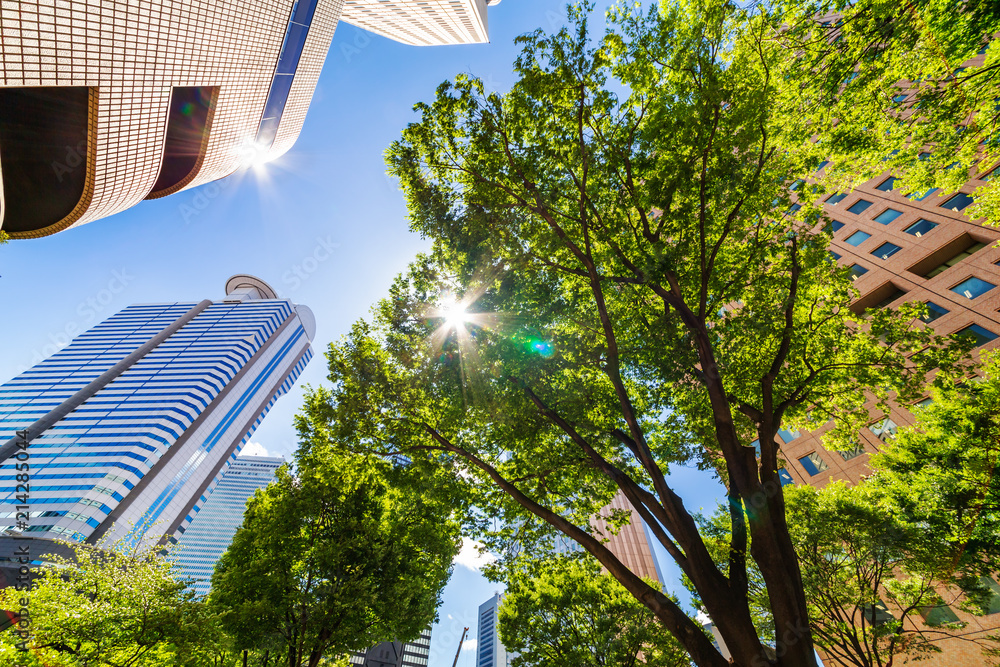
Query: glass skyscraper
[[132, 425], [212, 529], [490, 652]]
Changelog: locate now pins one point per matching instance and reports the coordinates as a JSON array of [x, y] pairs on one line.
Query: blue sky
[[323, 225]]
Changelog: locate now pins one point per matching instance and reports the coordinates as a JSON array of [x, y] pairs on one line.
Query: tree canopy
[[566, 611], [332, 558], [618, 281]]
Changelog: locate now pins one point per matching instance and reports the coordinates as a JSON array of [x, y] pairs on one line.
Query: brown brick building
[[905, 247]]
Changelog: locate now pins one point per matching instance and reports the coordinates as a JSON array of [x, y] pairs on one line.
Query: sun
[[454, 314]]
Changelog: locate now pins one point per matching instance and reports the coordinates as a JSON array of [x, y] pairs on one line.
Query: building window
[[813, 464], [981, 335], [887, 216], [45, 155], [857, 238], [785, 477], [884, 429], [989, 174], [859, 207], [887, 185], [899, 98], [821, 165], [186, 137], [835, 198], [934, 311], [796, 185], [893, 294], [958, 202], [948, 256], [990, 603], [794, 208], [852, 453], [833, 226], [972, 288], [937, 614], [857, 271], [877, 614], [886, 250], [920, 197], [920, 227], [788, 435]]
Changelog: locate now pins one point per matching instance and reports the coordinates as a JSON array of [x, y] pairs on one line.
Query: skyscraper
[[132, 424], [213, 527], [105, 104], [631, 544], [396, 654], [490, 652]]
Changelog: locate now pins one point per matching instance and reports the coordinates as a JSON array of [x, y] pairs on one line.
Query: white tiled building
[[104, 104]]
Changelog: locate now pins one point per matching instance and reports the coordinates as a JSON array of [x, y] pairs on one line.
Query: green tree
[[614, 286], [332, 558], [567, 612], [117, 606], [869, 572], [885, 87], [942, 473]]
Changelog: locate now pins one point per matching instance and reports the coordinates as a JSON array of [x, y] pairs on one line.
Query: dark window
[[857, 238], [936, 615], [887, 185], [899, 98], [187, 135], [834, 255], [813, 464], [958, 202], [288, 62], [947, 256], [920, 227], [833, 226], [887, 216], [989, 174], [920, 197], [981, 335], [43, 154], [835, 199], [852, 453], [886, 250], [877, 614], [934, 311], [972, 287], [785, 477], [857, 271], [987, 599], [794, 208], [822, 164], [796, 185], [859, 206], [896, 293], [880, 297]]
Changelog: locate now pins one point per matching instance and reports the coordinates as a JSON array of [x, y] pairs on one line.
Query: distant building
[[396, 654], [104, 104], [209, 535], [631, 545], [490, 652], [130, 426]]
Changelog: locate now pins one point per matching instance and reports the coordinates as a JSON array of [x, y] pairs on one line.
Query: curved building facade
[[105, 104]]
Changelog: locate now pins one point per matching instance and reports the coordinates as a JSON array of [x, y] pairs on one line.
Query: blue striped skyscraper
[[134, 422], [492, 652], [212, 529]]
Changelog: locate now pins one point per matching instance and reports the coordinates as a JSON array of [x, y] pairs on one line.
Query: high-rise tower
[[132, 424], [104, 104], [208, 536]]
